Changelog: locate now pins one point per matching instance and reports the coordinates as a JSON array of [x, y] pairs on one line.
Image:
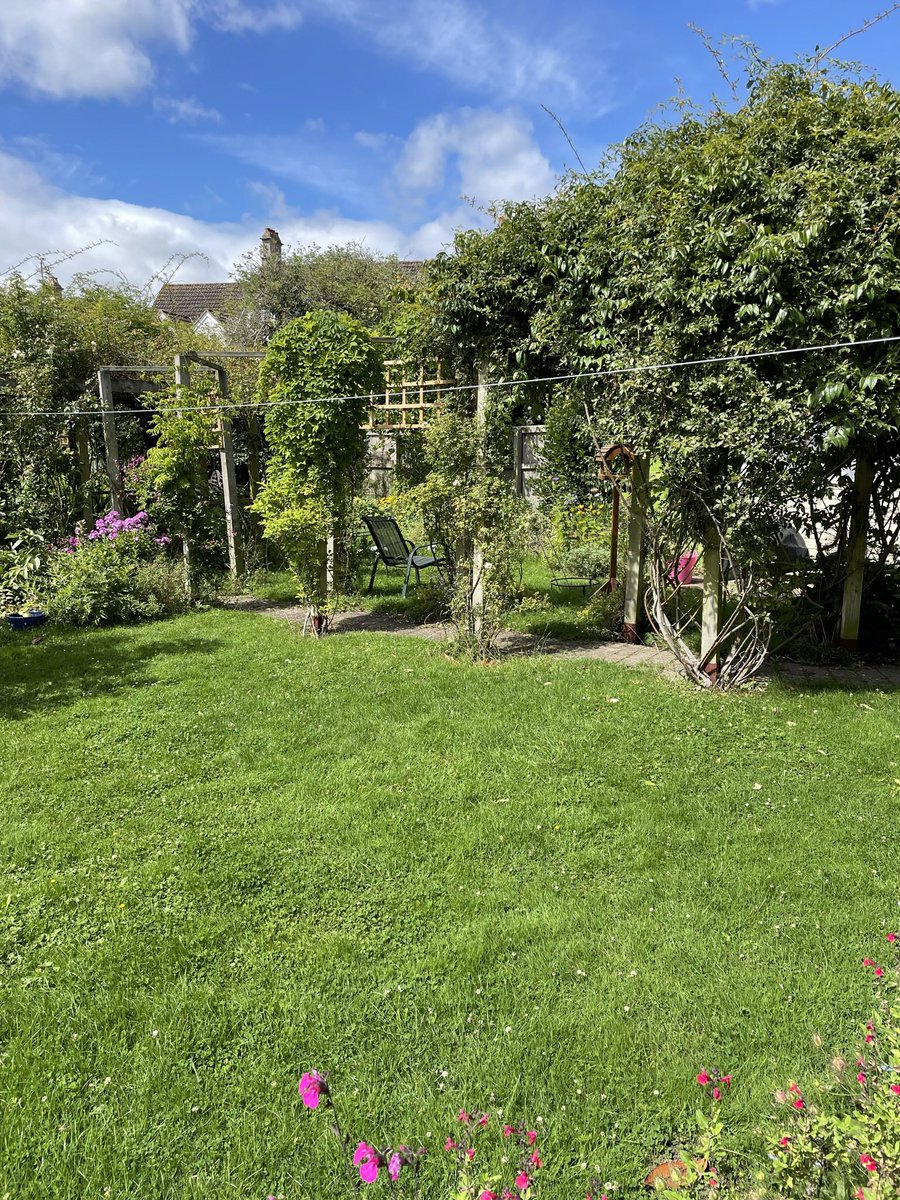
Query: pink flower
[[868, 1162], [532, 1136], [867, 962], [869, 1039], [483, 1121], [463, 1116], [367, 1160], [717, 1095], [487, 1195], [536, 1160], [395, 1162], [310, 1088], [798, 1104], [861, 1077], [895, 1088], [449, 1144], [522, 1181], [793, 1087], [703, 1079], [891, 937], [726, 1079], [470, 1154], [785, 1141], [507, 1130], [878, 972]]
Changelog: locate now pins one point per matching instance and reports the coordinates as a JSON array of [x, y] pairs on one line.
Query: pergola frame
[[635, 559]]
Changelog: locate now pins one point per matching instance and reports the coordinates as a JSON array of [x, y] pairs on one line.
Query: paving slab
[[625, 654]]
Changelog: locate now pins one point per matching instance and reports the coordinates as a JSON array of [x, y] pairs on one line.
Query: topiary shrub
[[315, 381]]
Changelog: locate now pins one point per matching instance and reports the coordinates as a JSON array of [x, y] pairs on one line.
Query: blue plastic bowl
[[25, 620]]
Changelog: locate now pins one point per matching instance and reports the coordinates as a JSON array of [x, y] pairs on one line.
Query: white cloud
[[492, 53], [190, 110], [247, 16], [37, 217], [493, 154], [103, 48], [100, 48]]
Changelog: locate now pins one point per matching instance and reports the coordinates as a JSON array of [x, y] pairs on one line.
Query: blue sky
[[162, 127]]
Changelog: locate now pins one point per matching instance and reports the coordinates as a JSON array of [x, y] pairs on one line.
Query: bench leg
[[372, 576]]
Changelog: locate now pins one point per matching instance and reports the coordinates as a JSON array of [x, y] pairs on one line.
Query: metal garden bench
[[394, 550]]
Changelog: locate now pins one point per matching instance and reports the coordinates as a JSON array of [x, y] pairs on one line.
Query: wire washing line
[[471, 387]]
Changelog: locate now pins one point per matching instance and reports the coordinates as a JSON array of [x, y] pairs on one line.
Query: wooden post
[[110, 441], [477, 553], [229, 486], [183, 380], [83, 446], [634, 563], [712, 601], [253, 463], [856, 553], [614, 540], [518, 436]]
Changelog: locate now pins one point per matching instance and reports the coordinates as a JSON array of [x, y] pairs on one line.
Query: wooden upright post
[[712, 601], [83, 446], [614, 541], [634, 563], [856, 553], [229, 485], [518, 438], [253, 443], [183, 380], [477, 552], [110, 440]]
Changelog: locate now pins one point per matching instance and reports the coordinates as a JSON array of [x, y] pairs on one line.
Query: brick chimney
[[271, 244]]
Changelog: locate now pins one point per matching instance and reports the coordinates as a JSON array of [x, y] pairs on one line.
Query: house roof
[[411, 270], [189, 301]]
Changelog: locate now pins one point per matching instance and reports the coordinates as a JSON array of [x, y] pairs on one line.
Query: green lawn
[[230, 854]]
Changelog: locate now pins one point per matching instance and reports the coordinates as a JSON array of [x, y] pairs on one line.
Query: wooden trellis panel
[[406, 403]]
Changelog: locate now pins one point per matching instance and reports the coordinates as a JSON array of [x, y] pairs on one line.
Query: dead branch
[[552, 115], [866, 25]]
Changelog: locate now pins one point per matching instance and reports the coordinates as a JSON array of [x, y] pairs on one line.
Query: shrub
[[116, 572]]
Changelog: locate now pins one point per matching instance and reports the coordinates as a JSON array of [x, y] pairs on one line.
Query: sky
[[138, 131]]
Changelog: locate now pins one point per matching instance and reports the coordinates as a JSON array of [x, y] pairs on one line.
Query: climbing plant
[[314, 383], [767, 224]]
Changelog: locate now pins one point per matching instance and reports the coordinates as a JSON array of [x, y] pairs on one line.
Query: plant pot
[[26, 620]]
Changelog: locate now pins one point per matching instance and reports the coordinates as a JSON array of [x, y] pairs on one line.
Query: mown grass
[[554, 887]]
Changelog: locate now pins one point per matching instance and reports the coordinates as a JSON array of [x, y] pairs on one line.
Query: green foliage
[[23, 565], [770, 225], [348, 279], [837, 1139], [51, 345], [174, 477], [469, 508], [315, 379], [106, 581]]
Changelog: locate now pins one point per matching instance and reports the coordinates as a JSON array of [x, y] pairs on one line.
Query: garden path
[[885, 678]]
